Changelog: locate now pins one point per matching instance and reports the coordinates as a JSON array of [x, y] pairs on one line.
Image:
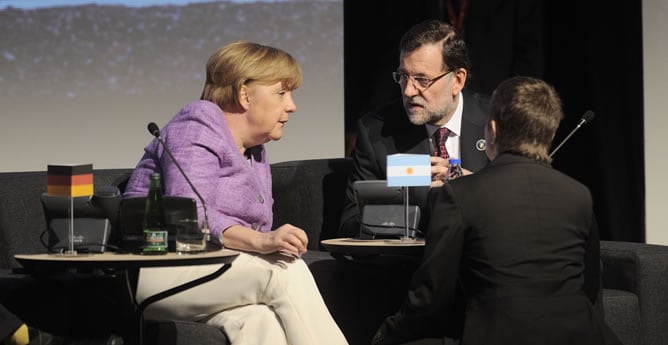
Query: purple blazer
[[236, 189]]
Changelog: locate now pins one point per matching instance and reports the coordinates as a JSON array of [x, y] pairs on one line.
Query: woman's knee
[[251, 324]]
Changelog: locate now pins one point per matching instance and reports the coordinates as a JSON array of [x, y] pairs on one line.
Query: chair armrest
[[641, 269]]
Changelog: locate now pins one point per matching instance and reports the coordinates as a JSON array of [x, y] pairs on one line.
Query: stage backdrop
[[80, 80]]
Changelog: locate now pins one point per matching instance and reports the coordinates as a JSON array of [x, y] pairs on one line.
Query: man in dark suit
[[433, 67], [518, 238]]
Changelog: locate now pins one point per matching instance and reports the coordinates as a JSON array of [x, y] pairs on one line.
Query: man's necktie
[[440, 136]]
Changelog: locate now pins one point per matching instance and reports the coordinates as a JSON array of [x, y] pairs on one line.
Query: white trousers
[[261, 299]]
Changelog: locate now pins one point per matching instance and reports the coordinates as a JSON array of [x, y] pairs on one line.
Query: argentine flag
[[408, 170]]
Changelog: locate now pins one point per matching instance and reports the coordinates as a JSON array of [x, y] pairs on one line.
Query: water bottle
[[455, 169], [155, 232]]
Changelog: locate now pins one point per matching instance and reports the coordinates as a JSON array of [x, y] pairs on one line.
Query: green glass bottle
[[155, 232]]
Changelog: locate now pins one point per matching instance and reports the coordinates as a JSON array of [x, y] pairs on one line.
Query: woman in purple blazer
[[268, 296]]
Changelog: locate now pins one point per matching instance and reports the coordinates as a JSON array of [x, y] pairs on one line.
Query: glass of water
[[189, 237]]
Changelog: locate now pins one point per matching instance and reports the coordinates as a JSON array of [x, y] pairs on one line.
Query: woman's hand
[[287, 239]]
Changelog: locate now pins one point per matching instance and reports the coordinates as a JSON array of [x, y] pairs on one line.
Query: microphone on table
[[155, 131], [586, 118]]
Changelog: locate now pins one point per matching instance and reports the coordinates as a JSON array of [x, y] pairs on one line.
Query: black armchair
[[635, 291]]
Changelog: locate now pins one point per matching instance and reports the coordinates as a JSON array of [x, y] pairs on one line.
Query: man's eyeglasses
[[420, 83]]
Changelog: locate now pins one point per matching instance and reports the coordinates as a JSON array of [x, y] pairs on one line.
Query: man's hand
[[439, 171]]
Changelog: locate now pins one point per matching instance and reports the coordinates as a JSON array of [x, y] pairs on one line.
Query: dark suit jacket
[[388, 131], [520, 240]]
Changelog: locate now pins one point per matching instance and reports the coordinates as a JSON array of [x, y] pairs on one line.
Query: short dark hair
[[527, 112], [455, 55]]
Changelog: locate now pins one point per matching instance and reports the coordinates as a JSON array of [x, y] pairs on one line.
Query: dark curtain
[[594, 59], [590, 52]]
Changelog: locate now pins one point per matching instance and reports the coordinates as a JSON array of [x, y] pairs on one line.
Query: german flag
[[70, 180]]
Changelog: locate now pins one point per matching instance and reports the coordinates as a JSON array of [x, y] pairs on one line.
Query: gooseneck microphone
[[586, 118], [155, 131]]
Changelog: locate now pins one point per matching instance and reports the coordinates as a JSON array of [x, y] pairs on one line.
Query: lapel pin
[[481, 144]]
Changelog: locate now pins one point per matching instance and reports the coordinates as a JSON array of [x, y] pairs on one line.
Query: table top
[[355, 246], [124, 261]]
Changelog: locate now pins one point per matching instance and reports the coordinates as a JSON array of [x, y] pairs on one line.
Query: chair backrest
[[310, 194]]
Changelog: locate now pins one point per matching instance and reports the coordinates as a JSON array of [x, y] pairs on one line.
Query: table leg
[[170, 292]]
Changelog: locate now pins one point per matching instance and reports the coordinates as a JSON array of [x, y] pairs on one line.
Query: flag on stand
[[408, 170], [70, 180]]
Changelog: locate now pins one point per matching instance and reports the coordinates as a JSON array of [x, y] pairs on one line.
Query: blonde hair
[[239, 63]]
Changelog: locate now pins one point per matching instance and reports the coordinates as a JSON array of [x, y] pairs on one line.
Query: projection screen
[[80, 80]]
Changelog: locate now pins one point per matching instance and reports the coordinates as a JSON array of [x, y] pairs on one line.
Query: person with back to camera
[[518, 237], [433, 67], [268, 296]]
